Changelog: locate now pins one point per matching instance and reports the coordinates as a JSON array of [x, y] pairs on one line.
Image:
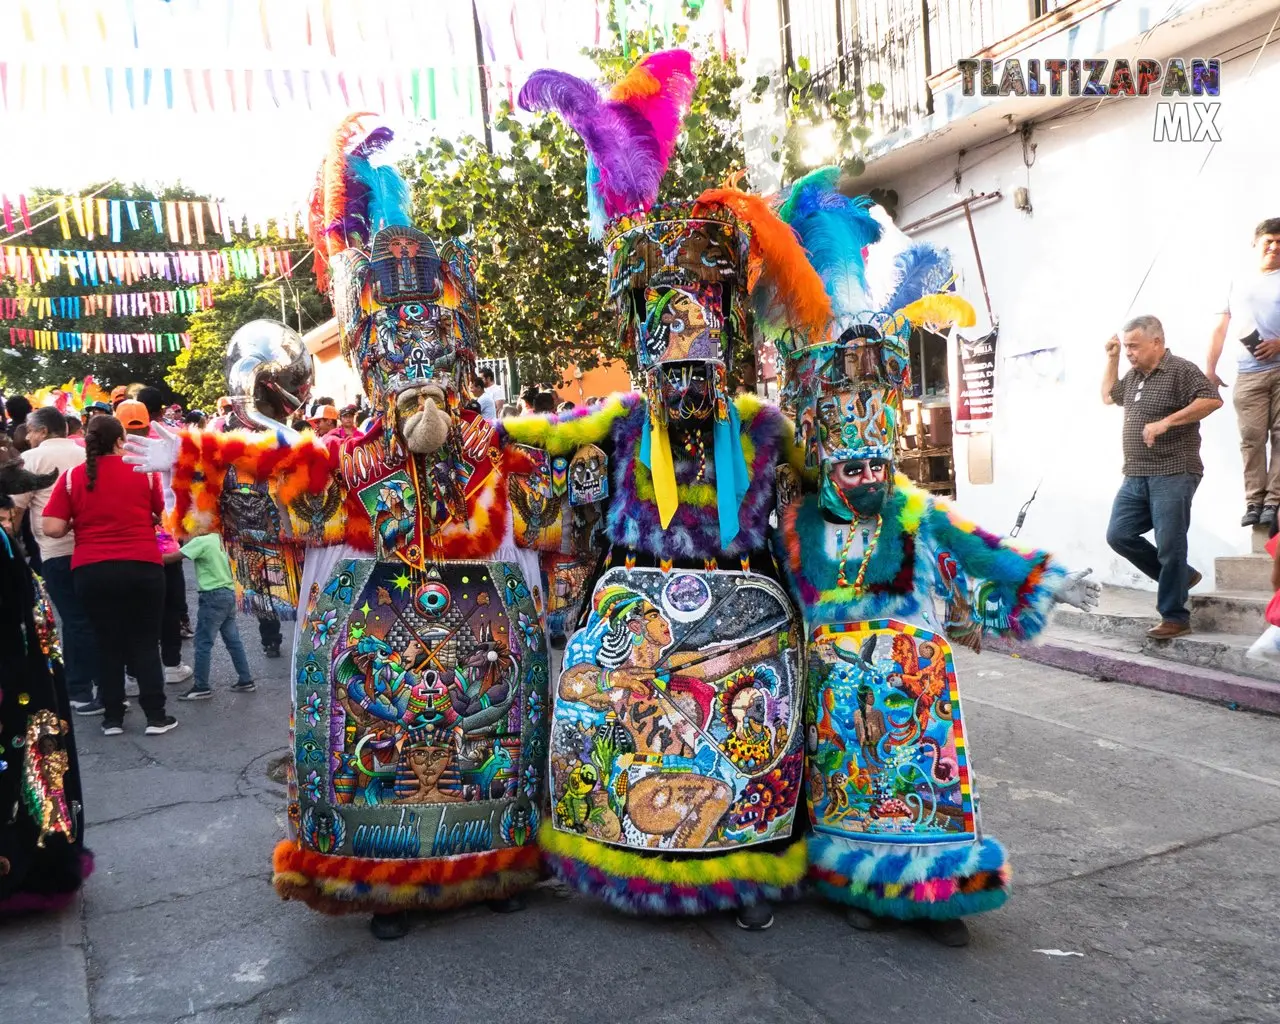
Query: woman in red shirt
[[116, 568]]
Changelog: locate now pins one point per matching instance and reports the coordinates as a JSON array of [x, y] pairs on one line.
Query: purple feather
[[376, 140], [620, 140]]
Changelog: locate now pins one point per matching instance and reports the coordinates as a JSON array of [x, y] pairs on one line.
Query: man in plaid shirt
[[1164, 399]]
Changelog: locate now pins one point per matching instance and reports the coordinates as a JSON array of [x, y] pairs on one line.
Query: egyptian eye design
[[433, 599]]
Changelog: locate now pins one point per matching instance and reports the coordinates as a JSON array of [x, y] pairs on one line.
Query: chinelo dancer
[[676, 750], [419, 668], [887, 577]]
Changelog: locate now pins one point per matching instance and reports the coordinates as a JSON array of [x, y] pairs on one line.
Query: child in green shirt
[[216, 614]]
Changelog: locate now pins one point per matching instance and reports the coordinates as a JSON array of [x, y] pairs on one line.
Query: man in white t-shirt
[[1251, 318], [51, 450], [496, 392]]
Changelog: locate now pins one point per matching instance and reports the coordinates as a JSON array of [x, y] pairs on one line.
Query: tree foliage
[[523, 209], [826, 122]]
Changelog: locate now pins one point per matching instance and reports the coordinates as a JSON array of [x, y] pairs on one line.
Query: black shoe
[[511, 905], [1268, 516], [949, 933], [865, 922], [388, 927], [755, 918], [112, 727], [272, 651], [161, 725], [1252, 514], [246, 687]]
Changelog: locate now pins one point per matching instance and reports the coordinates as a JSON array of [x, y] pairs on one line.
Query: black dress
[[42, 855]]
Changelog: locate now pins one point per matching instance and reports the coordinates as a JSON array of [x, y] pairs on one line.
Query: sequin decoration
[[46, 625], [24, 699], [44, 769]]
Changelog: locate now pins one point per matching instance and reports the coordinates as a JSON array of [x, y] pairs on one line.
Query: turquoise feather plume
[[834, 229]]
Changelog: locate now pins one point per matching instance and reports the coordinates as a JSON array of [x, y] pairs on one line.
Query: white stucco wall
[[1105, 199]]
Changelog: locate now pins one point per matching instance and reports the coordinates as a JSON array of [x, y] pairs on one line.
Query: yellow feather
[[942, 310]]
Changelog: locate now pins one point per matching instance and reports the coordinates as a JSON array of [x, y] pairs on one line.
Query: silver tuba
[[269, 374]]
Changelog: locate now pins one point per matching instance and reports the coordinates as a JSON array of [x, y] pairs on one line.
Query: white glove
[[1079, 591], [152, 454]]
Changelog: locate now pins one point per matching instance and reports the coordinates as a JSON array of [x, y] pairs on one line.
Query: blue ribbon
[[731, 473]]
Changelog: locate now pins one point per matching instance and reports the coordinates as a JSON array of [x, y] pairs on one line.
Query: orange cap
[[133, 414], [120, 394], [324, 412]]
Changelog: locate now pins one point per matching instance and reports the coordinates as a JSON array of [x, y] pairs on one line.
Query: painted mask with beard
[[855, 488]]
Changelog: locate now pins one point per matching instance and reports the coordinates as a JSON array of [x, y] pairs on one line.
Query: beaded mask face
[[847, 399], [407, 315]]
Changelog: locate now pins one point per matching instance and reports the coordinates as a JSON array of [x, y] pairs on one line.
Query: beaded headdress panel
[[845, 385]]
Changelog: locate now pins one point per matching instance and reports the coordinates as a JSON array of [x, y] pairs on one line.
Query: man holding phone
[[1252, 317]]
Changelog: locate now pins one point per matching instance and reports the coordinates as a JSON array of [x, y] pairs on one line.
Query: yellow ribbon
[[664, 473]]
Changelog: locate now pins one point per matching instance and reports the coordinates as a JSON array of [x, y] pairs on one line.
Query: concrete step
[[1258, 538], [1122, 658], [1133, 612], [1230, 612], [1242, 572]]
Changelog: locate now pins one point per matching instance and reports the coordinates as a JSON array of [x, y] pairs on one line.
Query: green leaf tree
[[827, 122]]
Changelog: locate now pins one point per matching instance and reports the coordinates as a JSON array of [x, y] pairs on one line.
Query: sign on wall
[[975, 402]]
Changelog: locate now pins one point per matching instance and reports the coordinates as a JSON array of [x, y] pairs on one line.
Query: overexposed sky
[[59, 130]]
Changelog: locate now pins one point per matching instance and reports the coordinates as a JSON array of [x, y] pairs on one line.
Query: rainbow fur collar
[[633, 521], [813, 576], [915, 527]]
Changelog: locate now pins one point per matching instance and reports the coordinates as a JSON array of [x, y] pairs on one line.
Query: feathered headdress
[[629, 135], [864, 348], [353, 197]]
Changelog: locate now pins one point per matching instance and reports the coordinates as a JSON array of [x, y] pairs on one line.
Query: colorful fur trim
[[636, 883], [694, 532], [356, 885], [910, 883], [204, 457], [566, 433], [1024, 579]]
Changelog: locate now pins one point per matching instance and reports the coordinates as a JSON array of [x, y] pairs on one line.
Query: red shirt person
[[116, 568]]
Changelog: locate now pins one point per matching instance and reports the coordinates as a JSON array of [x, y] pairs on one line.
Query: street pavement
[[1143, 829]]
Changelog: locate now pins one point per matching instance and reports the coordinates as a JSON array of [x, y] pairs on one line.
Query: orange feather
[[777, 253]]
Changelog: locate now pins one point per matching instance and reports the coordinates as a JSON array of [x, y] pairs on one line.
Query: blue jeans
[[79, 645], [1163, 504], [215, 614]]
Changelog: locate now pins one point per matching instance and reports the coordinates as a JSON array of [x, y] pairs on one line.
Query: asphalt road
[[1143, 828]]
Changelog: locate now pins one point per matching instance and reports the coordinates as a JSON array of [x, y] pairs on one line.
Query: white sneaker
[[178, 674], [131, 687]]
